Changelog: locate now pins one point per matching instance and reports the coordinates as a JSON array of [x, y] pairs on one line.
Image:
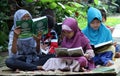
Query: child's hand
[[87, 56], [38, 37], [115, 43], [17, 31], [117, 55]]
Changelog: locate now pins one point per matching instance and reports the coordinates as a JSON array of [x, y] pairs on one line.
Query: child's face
[[68, 34], [103, 19], [26, 17], [95, 24]]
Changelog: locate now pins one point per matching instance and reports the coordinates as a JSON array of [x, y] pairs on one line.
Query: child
[[24, 54], [104, 18], [97, 33], [56, 27], [117, 46], [73, 37], [51, 38]]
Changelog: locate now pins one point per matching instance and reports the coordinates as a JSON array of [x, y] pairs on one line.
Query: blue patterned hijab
[[102, 34], [18, 16]]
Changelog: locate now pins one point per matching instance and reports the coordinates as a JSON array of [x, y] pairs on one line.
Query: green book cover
[[26, 28], [33, 26], [40, 25]]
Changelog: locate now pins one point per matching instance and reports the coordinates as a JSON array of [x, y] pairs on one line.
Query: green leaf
[[96, 2], [53, 5], [29, 0], [3, 38], [75, 4], [61, 5], [47, 1]]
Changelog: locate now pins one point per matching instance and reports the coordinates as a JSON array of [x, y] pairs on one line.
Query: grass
[[112, 21]]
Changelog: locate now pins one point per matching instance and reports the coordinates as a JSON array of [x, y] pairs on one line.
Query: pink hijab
[[79, 39]]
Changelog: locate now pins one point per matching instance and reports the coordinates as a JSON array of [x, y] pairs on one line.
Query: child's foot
[[84, 70], [39, 68], [109, 63], [17, 71], [117, 55]]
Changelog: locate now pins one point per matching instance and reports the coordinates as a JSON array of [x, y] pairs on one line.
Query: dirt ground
[[3, 56]]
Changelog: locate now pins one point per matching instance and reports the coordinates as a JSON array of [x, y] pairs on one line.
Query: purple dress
[[78, 40]]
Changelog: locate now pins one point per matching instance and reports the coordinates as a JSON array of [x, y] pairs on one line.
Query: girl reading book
[[97, 33], [50, 40], [73, 38], [104, 19], [24, 54]]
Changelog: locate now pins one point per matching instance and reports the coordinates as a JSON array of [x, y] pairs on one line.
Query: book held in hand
[[100, 45], [72, 52], [33, 26]]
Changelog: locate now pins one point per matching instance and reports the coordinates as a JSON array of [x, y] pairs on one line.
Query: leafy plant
[[3, 24], [63, 9]]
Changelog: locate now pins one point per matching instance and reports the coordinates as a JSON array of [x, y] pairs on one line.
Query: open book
[[33, 26], [72, 52], [102, 44]]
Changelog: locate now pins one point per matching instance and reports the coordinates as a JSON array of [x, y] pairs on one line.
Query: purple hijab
[[79, 39]]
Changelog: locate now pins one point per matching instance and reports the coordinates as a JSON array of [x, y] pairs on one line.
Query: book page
[[61, 52], [72, 52], [76, 52], [39, 18], [103, 44]]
